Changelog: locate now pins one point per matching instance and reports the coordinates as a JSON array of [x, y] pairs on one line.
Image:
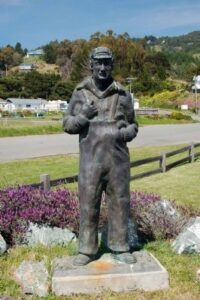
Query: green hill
[[189, 42]]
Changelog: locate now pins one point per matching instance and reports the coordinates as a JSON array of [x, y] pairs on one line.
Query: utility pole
[[130, 81], [6, 66], [196, 79]]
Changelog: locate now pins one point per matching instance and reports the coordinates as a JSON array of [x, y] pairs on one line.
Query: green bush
[[177, 115], [27, 113], [155, 117], [5, 114], [165, 99]]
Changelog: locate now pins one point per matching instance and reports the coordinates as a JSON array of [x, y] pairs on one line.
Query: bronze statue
[[101, 112]]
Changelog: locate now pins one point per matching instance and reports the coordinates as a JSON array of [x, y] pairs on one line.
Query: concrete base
[[108, 274]]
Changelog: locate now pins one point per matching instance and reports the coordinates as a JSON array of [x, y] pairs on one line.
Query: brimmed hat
[[101, 52]]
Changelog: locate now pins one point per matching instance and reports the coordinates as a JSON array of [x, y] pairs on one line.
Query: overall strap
[[86, 96], [114, 102]]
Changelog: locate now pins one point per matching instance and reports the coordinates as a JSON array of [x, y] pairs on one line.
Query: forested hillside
[[151, 63], [183, 53]]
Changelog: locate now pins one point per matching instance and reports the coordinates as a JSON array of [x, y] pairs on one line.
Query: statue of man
[[101, 112]]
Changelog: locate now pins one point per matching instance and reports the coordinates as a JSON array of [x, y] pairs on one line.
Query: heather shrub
[[21, 205], [153, 220], [157, 218]]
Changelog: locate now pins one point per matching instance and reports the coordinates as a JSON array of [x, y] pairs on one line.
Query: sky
[[34, 23]]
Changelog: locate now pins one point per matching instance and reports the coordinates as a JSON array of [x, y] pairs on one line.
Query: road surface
[[14, 148]]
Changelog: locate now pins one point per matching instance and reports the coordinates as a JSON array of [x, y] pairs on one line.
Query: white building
[[135, 101], [2, 104], [56, 105], [34, 105], [35, 53], [27, 67], [15, 104], [196, 86]]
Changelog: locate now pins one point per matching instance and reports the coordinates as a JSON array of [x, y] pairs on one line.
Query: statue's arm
[[74, 120], [130, 131]]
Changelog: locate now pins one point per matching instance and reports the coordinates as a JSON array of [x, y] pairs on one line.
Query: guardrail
[[46, 183], [146, 111]]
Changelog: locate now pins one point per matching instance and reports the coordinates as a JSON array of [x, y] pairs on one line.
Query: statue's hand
[[89, 110], [129, 133], [120, 121], [121, 124]]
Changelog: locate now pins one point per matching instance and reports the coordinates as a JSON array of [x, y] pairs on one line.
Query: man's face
[[102, 68]]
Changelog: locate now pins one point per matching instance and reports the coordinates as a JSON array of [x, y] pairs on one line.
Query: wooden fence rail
[[192, 155]]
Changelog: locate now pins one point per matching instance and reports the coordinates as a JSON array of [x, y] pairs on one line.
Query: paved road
[[13, 148]]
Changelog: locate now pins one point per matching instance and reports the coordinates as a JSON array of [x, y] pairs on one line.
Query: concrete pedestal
[[108, 274]]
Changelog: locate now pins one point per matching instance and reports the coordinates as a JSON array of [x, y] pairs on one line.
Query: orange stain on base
[[101, 265]]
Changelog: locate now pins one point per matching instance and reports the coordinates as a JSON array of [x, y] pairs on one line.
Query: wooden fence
[[163, 166]]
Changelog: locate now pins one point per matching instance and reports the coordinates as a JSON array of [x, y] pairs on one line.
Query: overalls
[[104, 166]]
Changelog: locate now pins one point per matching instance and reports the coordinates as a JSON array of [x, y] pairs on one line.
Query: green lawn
[[28, 126], [145, 120], [181, 268], [53, 124], [180, 183]]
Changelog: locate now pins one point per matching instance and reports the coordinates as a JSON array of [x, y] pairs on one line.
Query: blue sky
[[37, 22]]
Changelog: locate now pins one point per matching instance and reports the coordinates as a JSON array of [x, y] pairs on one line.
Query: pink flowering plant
[[21, 205], [156, 218], [24, 204]]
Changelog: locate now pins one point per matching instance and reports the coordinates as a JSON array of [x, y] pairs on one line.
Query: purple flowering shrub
[[157, 218], [21, 205]]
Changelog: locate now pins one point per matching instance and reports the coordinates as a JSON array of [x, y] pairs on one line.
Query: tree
[[18, 49], [6, 57], [38, 85], [50, 52], [10, 86], [63, 90]]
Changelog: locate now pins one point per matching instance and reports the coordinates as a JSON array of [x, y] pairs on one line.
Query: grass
[[29, 171], [22, 127], [16, 255], [31, 126], [180, 183], [145, 120], [182, 273]]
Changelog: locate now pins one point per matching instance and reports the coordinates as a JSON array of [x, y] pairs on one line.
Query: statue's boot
[[125, 257], [83, 259]]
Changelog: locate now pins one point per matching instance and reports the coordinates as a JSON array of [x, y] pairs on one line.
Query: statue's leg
[[90, 189], [118, 196]]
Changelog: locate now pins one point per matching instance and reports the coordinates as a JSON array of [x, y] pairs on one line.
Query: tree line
[[137, 62]]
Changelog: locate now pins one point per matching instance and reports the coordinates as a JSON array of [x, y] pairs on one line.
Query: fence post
[[191, 153], [163, 162], [45, 180]]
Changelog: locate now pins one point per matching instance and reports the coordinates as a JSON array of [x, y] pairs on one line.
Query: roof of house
[[23, 101], [2, 101], [27, 66], [35, 52]]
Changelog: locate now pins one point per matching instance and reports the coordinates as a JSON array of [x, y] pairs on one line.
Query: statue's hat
[[101, 52]]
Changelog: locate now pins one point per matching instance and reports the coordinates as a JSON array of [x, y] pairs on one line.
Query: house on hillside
[[35, 53], [17, 104], [27, 67]]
